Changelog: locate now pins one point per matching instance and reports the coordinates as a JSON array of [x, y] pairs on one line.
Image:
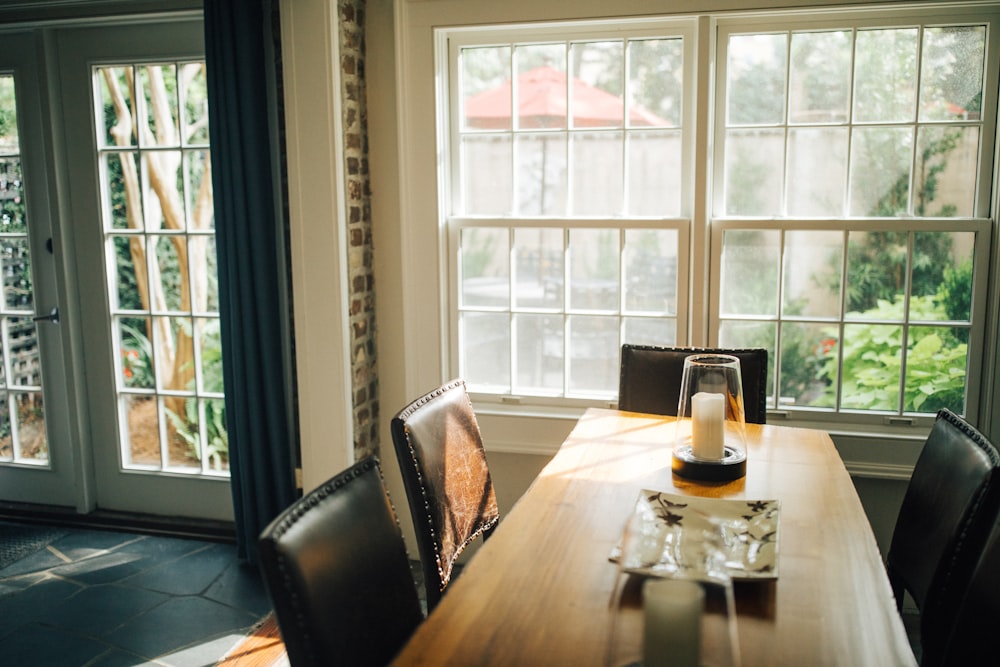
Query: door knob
[[53, 316]]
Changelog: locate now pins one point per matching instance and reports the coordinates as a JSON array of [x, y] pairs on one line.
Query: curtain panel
[[250, 242]]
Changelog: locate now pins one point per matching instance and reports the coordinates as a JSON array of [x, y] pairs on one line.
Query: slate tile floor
[[96, 598]]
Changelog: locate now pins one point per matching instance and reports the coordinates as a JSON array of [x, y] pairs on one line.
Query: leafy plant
[[187, 426], [217, 437], [873, 357], [137, 355]]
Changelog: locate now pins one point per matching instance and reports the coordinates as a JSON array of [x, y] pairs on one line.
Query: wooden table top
[[542, 590]]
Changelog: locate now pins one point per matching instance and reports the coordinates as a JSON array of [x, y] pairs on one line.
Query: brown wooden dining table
[[543, 589]]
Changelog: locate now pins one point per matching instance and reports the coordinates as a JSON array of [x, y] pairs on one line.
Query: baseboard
[[202, 529]]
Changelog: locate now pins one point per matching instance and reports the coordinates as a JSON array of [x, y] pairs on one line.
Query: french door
[[122, 285]]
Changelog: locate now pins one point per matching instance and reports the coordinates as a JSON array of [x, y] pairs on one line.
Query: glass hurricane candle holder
[[711, 424]]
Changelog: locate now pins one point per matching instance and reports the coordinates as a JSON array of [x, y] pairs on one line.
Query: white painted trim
[[879, 470], [316, 202]]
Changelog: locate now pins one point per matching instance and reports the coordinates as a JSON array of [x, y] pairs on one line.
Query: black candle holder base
[[732, 465]]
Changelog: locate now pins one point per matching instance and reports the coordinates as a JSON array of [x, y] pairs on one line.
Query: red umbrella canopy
[[542, 103]]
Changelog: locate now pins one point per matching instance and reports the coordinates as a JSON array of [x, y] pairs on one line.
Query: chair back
[[972, 641], [650, 378], [946, 514], [336, 569], [447, 480]]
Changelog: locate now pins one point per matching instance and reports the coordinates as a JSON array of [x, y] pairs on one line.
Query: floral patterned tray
[[669, 535]]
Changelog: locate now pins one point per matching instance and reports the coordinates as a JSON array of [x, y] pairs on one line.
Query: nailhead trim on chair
[[440, 391], [312, 500], [991, 453]]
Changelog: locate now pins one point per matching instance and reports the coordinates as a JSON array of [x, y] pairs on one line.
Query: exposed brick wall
[[364, 376]]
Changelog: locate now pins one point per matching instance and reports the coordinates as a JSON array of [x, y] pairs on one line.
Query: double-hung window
[[816, 183]]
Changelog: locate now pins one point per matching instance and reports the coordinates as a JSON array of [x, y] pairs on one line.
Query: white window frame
[[705, 238], [449, 42], [982, 224]]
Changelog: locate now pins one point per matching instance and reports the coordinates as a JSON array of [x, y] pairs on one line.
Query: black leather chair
[[949, 507], [650, 378], [336, 569], [972, 641], [447, 480]]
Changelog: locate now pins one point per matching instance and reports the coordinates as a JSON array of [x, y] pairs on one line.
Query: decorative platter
[[669, 535]]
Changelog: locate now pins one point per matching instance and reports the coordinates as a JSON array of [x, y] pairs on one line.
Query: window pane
[[876, 270], [650, 331], [485, 261], [946, 171], [593, 364], [11, 192], [199, 179], [741, 333], [872, 358], [951, 73], [9, 142], [16, 267], [541, 86], [820, 77], [656, 82], [541, 174], [654, 173], [594, 269], [650, 262], [750, 261], [942, 276], [754, 171], [116, 102], [936, 359], [812, 269], [817, 171], [538, 268], [485, 345], [597, 95], [195, 96], [487, 189], [169, 253], [138, 367], [885, 75], [159, 82], [755, 78], [880, 171], [539, 354], [486, 88], [808, 365], [597, 173]]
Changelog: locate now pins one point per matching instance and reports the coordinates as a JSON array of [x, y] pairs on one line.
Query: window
[[848, 171], [569, 191]]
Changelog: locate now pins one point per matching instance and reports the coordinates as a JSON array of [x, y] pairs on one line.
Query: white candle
[[671, 623], [708, 415]]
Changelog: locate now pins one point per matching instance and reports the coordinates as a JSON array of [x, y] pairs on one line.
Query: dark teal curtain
[[249, 238]]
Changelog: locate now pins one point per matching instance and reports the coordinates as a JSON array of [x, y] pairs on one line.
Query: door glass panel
[[159, 236], [22, 413]]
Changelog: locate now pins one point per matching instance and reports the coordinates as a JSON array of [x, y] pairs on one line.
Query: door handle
[[53, 316]]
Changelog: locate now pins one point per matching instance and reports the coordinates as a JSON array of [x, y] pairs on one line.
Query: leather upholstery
[[447, 480], [336, 569], [972, 641], [650, 378], [949, 506]]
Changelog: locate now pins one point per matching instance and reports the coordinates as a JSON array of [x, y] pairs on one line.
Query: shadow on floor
[[96, 598]]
